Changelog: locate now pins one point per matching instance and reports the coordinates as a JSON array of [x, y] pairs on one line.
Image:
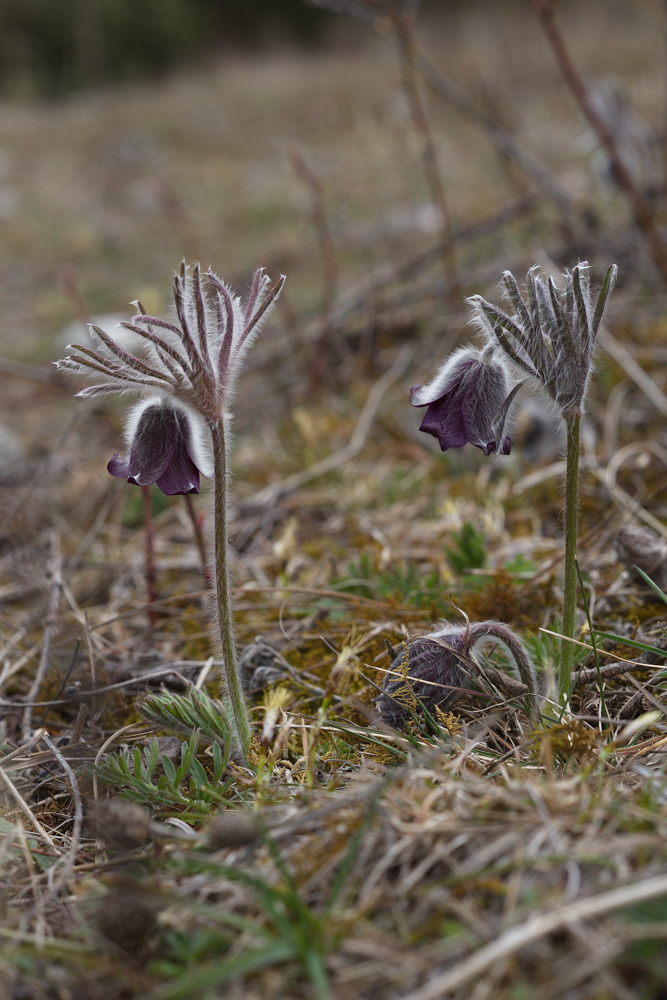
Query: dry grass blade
[[535, 928]]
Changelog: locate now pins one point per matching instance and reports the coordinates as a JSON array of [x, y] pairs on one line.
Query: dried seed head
[[126, 916], [122, 825], [551, 335], [231, 829]]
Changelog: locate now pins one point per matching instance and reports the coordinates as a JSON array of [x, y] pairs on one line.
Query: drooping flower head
[[551, 334], [195, 359], [433, 671], [468, 402], [190, 367], [164, 447], [427, 673]]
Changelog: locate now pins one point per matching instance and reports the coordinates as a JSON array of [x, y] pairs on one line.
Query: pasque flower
[[195, 359], [433, 670], [468, 401], [550, 338], [163, 448], [190, 369]]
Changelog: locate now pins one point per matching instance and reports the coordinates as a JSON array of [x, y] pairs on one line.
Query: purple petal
[[152, 445], [444, 421], [181, 475], [119, 467], [484, 397], [434, 678]]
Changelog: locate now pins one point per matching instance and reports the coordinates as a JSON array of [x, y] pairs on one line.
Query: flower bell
[[468, 402], [163, 448]]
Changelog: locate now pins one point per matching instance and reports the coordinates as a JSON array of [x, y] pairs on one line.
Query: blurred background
[[388, 157]]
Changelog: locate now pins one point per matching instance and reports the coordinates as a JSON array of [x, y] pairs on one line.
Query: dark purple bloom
[[468, 402], [162, 450]]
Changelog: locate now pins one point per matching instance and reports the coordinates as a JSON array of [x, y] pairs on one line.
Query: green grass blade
[[622, 641], [193, 982], [654, 586]]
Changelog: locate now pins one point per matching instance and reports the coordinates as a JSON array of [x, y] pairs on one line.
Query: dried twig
[[54, 577], [149, 565], [546, 13], [21, 802], [325, 240], [535, 928], [70, 857], [403, 21]]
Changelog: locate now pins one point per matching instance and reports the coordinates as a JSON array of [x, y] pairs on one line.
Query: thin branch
[[75, 839], [54, 575], [270, 494], [536, 928], [546, 13]]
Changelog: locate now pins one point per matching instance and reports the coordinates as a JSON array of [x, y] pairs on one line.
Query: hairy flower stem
[[222, 589], [478, 630], [572, 424]]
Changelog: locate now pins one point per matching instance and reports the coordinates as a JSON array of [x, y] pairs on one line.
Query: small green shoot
[[136, 776], [470, 550]]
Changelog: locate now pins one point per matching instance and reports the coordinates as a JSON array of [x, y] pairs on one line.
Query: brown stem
[[199, 538], [643, 214], [325, 240], [150, 556], [404, 35]]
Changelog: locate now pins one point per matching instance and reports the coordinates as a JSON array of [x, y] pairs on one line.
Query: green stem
[[222, 589], [572, 424]]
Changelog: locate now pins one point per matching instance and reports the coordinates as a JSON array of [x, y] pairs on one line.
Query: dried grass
[[492, 858]]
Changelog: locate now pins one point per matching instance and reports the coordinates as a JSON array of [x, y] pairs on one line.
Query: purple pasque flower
[[195, 358], [435, 670], [468, 401], [164, 447]]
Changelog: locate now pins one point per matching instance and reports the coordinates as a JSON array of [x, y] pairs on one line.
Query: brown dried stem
[[318, 216], [150, 556], [644, 217], [404, 28]]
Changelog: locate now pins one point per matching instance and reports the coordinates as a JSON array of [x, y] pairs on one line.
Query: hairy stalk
[[149, 531], [572, 424], [222, 589], [478, 630]]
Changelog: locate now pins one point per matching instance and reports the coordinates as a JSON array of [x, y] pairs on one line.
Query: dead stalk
[[546, 13], [404, 29], [54, 578]]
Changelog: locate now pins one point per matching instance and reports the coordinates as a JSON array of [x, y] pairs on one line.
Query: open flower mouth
[[161, 451], [465, 402]]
